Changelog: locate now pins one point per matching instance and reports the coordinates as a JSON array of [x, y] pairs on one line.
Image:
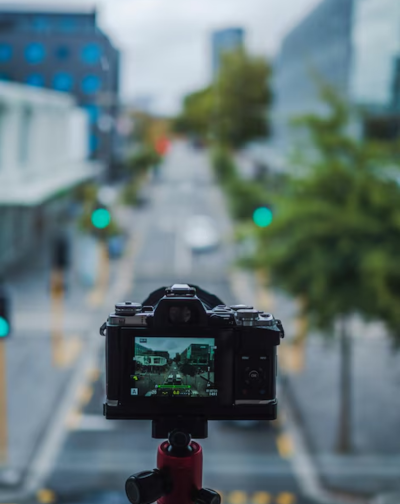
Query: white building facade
[[43, 155]]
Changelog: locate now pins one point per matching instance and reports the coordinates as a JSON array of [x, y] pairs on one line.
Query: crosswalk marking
[[237, 497], [46, 496], [261, 498], [286, 498], [285, 445]]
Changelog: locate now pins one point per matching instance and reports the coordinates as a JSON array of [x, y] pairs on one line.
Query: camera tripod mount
[[179, 474]]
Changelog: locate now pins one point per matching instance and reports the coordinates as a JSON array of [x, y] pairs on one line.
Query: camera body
[[184, 358]]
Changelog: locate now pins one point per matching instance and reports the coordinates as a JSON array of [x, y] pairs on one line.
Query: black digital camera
[[183, 353]]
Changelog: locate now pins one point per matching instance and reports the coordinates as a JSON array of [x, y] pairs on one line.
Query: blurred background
[[249, 147]]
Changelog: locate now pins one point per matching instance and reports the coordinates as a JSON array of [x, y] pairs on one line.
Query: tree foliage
[[197, 112], [335, 238], [242, 96], [233, 110]]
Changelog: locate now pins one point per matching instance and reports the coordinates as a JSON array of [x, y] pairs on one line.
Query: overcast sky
[[165, 44]]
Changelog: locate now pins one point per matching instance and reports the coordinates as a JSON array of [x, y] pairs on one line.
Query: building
[[43, 155], [352, 45], [319, 49], [375, 78], [224, 41], [64, 50], [197, 355]]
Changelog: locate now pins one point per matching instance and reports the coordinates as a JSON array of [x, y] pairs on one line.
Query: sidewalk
[[310, 385], [35, 386]]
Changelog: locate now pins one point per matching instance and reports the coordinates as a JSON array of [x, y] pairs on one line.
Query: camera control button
[[127, 308], [254, 375]]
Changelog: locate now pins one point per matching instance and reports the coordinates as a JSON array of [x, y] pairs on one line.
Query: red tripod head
[[178, 477]]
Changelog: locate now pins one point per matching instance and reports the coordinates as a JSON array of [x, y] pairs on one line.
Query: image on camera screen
[[174, 367]]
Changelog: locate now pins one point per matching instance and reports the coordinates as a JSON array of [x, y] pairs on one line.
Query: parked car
[[201, 233]]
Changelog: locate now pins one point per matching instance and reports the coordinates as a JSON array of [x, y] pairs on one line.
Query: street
[[243, 461]]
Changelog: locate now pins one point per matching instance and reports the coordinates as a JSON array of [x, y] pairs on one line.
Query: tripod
[[179, 473]]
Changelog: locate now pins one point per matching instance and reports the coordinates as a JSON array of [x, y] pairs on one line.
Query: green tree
[[242, 96], [336, 235], [234, 109], [195, 118]]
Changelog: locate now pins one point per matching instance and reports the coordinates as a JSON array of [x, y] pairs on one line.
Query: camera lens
[[180, 314]]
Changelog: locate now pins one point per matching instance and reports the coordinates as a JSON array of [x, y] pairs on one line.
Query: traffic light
[[101, 217], [5, 325], [262, 216]]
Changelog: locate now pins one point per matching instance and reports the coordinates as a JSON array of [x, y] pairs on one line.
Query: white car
[[201, 233]]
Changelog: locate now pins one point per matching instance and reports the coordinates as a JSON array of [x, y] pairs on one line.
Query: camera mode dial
[[128, 308]]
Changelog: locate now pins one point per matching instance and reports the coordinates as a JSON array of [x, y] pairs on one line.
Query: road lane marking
[[237, 497], [286, 498], [93, 374], [94, 423], [261, 498], [85, 393], [46, 496], [73, 420], [71, 349], [285, 445]]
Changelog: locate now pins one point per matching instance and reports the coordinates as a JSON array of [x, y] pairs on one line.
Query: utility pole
[[60, 262], [5, 330], [3, 405]]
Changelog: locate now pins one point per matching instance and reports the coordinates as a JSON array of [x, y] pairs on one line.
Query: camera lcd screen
[[174, 367]]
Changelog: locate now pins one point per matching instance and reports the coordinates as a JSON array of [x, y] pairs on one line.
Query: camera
[[184, 354]]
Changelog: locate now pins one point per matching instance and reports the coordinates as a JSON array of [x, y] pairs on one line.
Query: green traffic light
[[262, 217], [4, 327], [101, 218]]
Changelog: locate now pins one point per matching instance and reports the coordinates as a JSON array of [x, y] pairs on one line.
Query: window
[[91, 54], [40, 23], [5, 52], [26, 120], [62, 52], [35, 53], [36, 80], [67, 24], [91, 84], [93, 112], [93, 143], [63, 81]]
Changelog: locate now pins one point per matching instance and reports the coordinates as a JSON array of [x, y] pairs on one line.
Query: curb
[[49, 445], [246, 287]]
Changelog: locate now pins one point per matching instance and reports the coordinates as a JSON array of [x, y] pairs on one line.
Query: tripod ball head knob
[[146, 487], [179, 439], [208, 496]]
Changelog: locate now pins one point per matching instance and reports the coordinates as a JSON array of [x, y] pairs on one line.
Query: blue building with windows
[[224, 41], [317, 50], [65, 50]]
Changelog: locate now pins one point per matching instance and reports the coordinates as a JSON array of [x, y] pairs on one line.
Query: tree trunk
[[344, 428]]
